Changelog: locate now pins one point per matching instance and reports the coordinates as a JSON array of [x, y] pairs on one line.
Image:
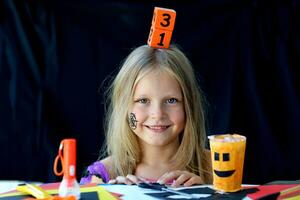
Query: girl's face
[[159, 110]]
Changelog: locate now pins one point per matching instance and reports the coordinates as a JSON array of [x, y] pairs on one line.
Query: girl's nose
[[157, 111]]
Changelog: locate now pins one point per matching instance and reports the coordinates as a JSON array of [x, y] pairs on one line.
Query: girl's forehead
[[157, 82]]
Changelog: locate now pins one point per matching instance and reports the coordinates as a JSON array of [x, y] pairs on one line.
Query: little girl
[[155, 125]]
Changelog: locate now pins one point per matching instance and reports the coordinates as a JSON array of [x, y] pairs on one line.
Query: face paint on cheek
[[132, 121]]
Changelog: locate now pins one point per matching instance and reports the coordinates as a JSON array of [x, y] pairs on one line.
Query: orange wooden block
[[159, 38], [163, 18]]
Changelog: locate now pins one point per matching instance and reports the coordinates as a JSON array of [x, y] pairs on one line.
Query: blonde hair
[[122, 145]]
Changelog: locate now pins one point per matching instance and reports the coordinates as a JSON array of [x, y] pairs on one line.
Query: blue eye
[[172, 101], [143, 101]]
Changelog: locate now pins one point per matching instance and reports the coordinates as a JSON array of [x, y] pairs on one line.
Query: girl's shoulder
[[207, 152], [107, 162], [207, 157], [208, 166], [109, 165]]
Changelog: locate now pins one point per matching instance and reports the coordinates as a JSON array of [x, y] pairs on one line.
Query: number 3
[[166, 19]]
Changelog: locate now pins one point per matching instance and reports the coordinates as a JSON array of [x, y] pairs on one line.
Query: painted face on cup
[[227, 154], [158, 110]]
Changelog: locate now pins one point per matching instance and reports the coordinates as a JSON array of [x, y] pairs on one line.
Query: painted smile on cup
[[224, 173]]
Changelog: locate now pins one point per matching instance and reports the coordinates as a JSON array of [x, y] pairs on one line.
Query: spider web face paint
[[132, 121]]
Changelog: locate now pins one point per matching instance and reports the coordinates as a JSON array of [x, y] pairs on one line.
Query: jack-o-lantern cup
[[227, 155]]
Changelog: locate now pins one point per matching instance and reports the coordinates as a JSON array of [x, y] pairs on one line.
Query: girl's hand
[[96, 180], [184, 178], [128, 180]]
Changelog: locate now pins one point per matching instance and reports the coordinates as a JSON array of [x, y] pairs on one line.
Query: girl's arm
[[98, 172]]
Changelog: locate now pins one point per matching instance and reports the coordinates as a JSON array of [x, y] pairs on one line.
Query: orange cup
[[227, 155]]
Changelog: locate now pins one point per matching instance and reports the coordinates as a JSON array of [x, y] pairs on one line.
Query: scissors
[[161, 187]]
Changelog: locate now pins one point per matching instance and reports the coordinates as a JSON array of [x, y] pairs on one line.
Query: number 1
[[162, 36]]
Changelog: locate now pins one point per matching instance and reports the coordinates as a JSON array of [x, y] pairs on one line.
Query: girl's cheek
[[140, 114]]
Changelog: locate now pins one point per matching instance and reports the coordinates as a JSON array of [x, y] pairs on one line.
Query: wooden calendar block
[[163, 18], [159, 38]]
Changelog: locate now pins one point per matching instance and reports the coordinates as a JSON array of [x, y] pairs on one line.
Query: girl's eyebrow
[[173, 95], [177, 96], [140, 96]]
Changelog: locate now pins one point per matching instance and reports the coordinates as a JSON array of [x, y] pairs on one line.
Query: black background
[[56, 55]]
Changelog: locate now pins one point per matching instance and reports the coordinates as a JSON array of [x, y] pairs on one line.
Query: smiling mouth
[[224, 173], [158, 129]]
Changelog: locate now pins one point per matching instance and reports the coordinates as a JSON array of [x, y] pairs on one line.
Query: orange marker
[[67, 155], [163, 22]]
